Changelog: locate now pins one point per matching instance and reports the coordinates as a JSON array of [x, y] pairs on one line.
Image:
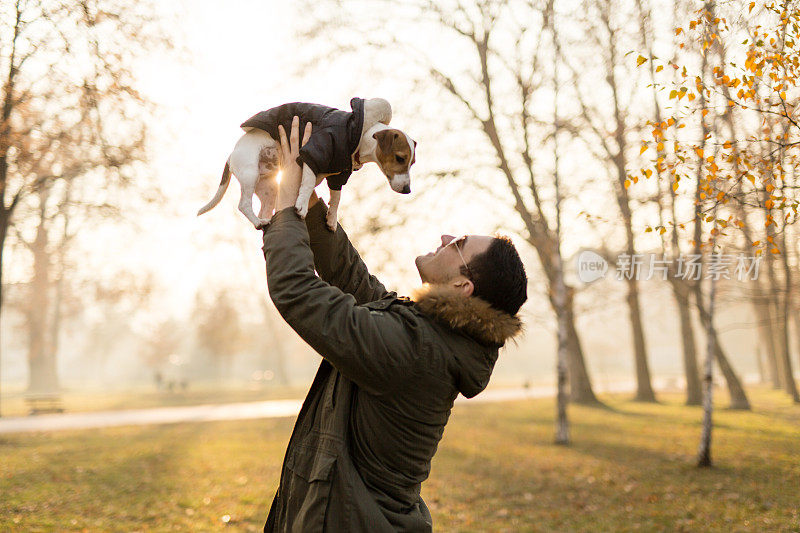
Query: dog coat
[[334, 137]]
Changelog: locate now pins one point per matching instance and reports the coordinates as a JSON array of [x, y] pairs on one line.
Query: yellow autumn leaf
[[752, 5], [648, 229], [659, 68], [663, 230], [775, 251], [640, 60], [643, 149], [675, 186], [756, 243], [783, 95], [672, 94], [627, 183]]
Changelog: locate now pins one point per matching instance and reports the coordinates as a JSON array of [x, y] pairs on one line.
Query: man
[[392, 367]]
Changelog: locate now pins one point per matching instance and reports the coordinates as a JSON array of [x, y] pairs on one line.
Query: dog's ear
[[385, 139]]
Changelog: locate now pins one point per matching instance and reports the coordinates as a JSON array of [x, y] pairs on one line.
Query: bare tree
[[604, 22], [704, 450], [666, 201], [562, 421], [69, 106], [494, 86]]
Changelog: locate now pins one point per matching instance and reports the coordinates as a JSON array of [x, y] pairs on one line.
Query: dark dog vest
[[334, 138]]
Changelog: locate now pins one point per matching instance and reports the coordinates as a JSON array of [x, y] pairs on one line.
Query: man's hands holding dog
[[292, 172]]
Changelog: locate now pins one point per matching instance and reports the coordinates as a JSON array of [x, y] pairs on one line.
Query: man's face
[[443, 265]]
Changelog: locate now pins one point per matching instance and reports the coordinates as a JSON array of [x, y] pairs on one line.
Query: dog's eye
[[400, 159]]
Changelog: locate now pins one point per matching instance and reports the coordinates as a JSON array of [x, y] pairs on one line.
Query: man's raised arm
[[337, 261]]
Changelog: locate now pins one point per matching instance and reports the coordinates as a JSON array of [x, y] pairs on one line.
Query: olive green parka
[[392, 368]]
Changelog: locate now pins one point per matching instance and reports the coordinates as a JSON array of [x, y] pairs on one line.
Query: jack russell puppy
[[340, 143]]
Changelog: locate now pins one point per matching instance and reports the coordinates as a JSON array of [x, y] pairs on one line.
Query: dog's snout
[[406, 189]]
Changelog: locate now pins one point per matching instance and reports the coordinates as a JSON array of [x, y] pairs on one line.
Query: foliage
[[740, 106]]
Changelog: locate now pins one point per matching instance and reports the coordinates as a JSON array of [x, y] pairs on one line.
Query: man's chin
[[419, 262]]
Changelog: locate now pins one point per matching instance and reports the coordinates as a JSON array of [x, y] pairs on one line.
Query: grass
[[630, 467]]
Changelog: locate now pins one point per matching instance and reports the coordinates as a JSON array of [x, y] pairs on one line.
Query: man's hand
[[292, 173]]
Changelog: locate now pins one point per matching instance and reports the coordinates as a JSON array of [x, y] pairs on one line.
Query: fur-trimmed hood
[[473, 316]]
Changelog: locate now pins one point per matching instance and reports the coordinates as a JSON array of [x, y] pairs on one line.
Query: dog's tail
[[223, 185]]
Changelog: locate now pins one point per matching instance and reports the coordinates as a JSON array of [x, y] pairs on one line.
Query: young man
[[392, 367]]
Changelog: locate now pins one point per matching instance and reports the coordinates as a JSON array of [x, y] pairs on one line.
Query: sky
[[238, 58]]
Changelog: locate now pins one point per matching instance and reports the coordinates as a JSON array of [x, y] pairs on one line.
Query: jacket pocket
[[309, 490], [311, 465]]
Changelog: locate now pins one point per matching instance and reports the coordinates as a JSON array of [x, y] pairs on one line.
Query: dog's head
[[395, 155]]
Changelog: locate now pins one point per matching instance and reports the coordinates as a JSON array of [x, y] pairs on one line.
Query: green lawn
[[630, 468]]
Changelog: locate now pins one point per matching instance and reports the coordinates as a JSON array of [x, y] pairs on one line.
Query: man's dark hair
[[498, 276]]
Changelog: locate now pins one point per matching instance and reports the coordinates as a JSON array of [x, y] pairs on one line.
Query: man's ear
[[464, 286], [385, 139]]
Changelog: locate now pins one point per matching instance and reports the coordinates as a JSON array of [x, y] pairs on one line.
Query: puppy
[[340, 143]]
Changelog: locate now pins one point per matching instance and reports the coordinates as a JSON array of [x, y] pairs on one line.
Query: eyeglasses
[[457, 243]]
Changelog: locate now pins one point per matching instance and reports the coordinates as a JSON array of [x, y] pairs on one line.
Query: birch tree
[[706, 160]]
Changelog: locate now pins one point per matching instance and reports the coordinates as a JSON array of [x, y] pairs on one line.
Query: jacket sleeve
[[338, 262], [373, 349]]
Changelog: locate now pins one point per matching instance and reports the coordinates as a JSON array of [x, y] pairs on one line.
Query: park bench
[[44, 403]]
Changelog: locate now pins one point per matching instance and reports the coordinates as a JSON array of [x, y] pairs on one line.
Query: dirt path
[[228, 411]]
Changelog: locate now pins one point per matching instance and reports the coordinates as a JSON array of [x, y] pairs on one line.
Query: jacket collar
[[471, 315]]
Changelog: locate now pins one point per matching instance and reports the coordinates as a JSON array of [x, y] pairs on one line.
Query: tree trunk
[[738, 395], [43, 376], [3, 231], [644, 388], [579, 382], [791, 386], [763, 313], [617, 157], [694, 391], [562, 423], [796, 315], [704, 452], [762, 371], [779, 305]]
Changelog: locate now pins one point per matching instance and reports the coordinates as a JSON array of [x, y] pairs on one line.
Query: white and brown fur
[[256, 161]]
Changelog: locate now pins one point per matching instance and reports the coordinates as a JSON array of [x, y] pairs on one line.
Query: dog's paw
[[301, 208], [330, 223]]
